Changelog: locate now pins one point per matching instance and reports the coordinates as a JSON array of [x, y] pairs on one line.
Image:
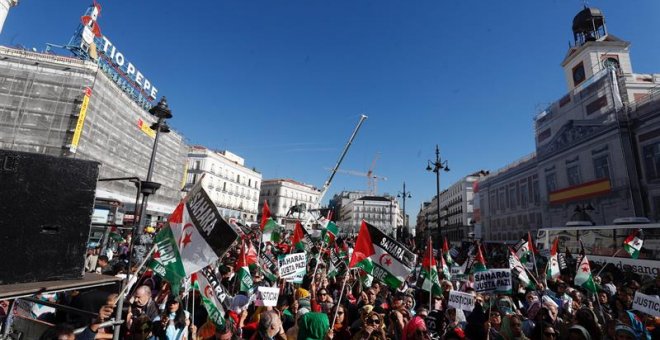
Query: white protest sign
[[463, 301], [493, 281], [298, 278], [292, 265], [267, 296], [649, 304]]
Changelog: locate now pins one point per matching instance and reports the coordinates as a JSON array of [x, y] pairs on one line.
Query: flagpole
[[341, 293], [121, 297], [192, 311], [532, 248], [317, 263], [431, 280], [606, 263]]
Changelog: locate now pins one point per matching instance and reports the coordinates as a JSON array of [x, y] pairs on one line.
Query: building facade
[[510, 202], [67, 107], [233, 187], [288, 200], [383, 212], [595, 146]]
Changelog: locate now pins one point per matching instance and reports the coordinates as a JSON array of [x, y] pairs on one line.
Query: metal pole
[[437, 183], [405, 222]]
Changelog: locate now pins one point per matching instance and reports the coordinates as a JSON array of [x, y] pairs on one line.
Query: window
[[651, 154], [512, 197], [573, 175], [502, 199], [601, 167], [551, 182], [535, 190], [524, 195], [578, 74]]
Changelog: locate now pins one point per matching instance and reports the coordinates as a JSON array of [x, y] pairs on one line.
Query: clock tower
[[593, 49]]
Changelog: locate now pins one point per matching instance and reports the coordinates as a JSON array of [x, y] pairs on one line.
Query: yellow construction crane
[[372, 179]]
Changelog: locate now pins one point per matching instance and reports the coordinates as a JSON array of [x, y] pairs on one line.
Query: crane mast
[[327, 183]]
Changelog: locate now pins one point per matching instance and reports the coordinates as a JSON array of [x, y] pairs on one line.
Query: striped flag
[[583, 277], [518, 270], [445, 252], [381, 256], [479, 262], [210, 299], [430, 272], [633, 243], [553, 270]]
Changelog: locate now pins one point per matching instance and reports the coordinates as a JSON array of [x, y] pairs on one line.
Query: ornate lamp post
[[404, 194], [436, 166]]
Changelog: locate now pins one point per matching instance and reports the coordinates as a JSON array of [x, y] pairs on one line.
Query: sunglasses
[[373, 321], [552, 335], [494, 315], [323, 293]]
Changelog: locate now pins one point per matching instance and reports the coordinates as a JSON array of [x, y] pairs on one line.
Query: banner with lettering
[[493, 281], [459, 300], [202, 234], [292, 265], [267, 296], [649, 304], [381, 256]]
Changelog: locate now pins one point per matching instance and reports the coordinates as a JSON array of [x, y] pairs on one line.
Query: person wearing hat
[[313, 326], [399, 317]]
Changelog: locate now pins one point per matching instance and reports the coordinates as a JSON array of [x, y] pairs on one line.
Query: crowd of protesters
[[319, 309]]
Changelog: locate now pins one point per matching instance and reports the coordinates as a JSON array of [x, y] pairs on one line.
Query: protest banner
[[292, 265], [649, 304], [459, 300], [267, 296], [493, 281], [298, 278]]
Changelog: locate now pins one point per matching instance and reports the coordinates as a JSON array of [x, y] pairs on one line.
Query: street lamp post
[[438, 165], [404, 194], [162, 112]]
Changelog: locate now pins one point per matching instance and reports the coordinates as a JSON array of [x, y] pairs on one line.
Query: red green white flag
[[633, 243], [445, 251], [381, 256], [518, 269], [210, 300], [166, 260], [265, 215], [553, 271], [430, 272], [203, 236], [479, 262], [583, 277]]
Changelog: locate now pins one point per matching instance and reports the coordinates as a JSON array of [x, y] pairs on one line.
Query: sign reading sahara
[[381, 256], [459, 300], [220, 291], [267, 296], [493, 281], [292, 265], [649, 304], [194, 237]]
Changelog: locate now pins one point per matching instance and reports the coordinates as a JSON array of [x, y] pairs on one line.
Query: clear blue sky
[[282, 83]]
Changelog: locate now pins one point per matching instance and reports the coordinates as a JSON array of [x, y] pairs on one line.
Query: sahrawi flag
[[199, 233], [167, 260], [479, 264], [338, 263], [246, 259], [518, 269], [446, 273], [552, 273], [269, 228], [210, 299], [381, 256], [525, 248], [445, 252], [633, 243], [300, 239], [329, 230], [430, 272], [583, 277]]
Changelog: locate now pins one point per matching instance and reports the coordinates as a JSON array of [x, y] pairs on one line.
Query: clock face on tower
[[578, 74]]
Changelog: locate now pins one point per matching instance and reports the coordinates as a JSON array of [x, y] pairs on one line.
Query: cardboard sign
[[493, 281], [649, 304], [292, 265], [267, 296], [459, 300]]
